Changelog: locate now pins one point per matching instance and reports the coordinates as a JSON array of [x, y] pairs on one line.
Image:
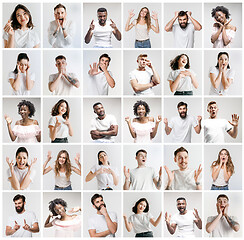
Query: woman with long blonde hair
[[222, 170]]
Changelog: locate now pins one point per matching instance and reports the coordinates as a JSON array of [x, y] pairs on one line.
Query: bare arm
[[215, 172], [155, 223], [212, 225], [167, 128], [47, 222], [127, 179], [10, 231], [89, 33], [137, 87], [109, 79], [29, 81], [128, 225], [215, 81], [115, 177], [215, 36], [171, 227], [197, 25], [128, 25], [53, 85], [113, 131], [90, 176], [74, 81], [233, 224], [155, 77], [199, 126], [92, 233], [15, 83], [226, 81], [133, 134], [35, 228], [169, 25]]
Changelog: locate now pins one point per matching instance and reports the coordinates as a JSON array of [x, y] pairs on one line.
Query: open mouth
[[143, 160]]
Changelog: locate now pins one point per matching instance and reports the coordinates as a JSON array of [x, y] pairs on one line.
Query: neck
[[98, 212], [181, 67], [64, 217], [141, 68], [24, 28], [141, 166], [25, 120], [102, 117], [183, 169], [183, 213], [213, 117]]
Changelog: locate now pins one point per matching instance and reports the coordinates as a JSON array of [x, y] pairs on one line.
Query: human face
[[182, 160], [143, 13], [19, 205], [223, 60], [59, 209], [213, 110], [22, 17], [141, 158], [24, 111], [60, 15], [99, 110], [181, 206], [62, 158], [142, 62], [222, 202], [103, 157], [62, 109], [220, 17], [22, 160], [104, 61], [182, 111], [98, 203], [182, 61], [23, 65], [141, 207], [223, 156], [183, 21], [141, 111], [102, 18], [61, 64]]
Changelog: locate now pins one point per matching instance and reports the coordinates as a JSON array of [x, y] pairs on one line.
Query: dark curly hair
[[30, 106], [56, 107], [55, 202], [137, 104], [134, 209], [222, 9], [174, 64], [15, 24]]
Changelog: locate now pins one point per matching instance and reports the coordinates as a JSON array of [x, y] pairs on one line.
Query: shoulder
[[151, 119], [134, 120], [17, 122], [35, 122], [216, 25]]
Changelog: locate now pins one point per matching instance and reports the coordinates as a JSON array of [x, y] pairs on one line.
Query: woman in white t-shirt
[[107, 176], [222, 170], [62, 169], [142, 26], [143, 128], [59, 124], [21, 79], [221, 76], [19, 30], [21, 174], [141, 219], [182, 79]]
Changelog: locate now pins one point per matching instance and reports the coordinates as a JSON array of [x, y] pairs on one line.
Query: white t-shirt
[[142, 77], [20, 175], [185, 224], [64, 87], [185, 83], [141, 32], [30, 219], [220, 90], [219, 43], [142, 178], [61, 180], [24, 39], [62, 130], [104, 180], [214, 130], [141, 222], [104, 125], [58, 41], [181, 128], [184, 38], [223, 228], [103, 34], [99, 223], [22, 88], [220, 181]]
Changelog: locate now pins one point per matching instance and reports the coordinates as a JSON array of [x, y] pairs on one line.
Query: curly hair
[[15, 24], [137, 104], [30, 106], [219, 55], [55, 202], [147, 18], [134, 209], [67, 164], [222, 9], [174, 64], [55, 111]]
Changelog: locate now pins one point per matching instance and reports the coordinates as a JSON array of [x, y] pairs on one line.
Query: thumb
[[16, 223], [24, 222]]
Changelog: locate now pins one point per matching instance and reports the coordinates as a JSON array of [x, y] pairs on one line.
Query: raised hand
[[154, 15], [94, 70], [16, 226], [167, 217], [227, 22], [126, 172], [10, 164], [8, 119], [103, 211], [196, 215], [75, 209], [49, 156], [188, 13], [219, 209], [127, 119], [177, 14], [103, 66], [92, 26], [235, 120], [131, 13], [67, 122], [26, 226], [148, 63], [171, 174], [77, 158], [159, 119], [199, 118], [28, 67], [160, 172], [219, 23], [197, 173], [166, 121], [57, 124], [225, 212], [8, 28], [32, 163], [113, 25]]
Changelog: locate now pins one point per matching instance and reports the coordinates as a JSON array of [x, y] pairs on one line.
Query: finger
[[16, 223], [90, 66], [92, 21], [24, 221], [111, 20]]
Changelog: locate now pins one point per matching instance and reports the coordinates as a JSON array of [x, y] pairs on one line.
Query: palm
[[154, 16], [235, 120], [94, 69]]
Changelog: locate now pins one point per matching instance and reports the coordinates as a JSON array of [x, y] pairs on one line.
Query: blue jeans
[[145, 234], [213, 187], [63, 188], [60, 140], [143, 44]]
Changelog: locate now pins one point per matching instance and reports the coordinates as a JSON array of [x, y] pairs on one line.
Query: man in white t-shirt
[[184, 31], [222, 225], [143, 79], [61, 30], [101, 76], [23, 223], [184, 220], [214, 127], [183, 178], [102, 30], [142, 177], [104, 127], [62, 83], [182, 125], [103, 223]]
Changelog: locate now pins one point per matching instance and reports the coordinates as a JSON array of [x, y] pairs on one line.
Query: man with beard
[[104, 127], [214, 128], [222, 225], [23, 223], [61, 30], [102, 30], [103, 223], [101, 75], [184, 220], [182, 125], [184, 31], [62, 83], [142, 79]]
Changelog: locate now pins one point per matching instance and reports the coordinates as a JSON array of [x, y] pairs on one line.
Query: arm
[[158, 183], [133, 134], [67, 122], [128, 25], [128, 225], [170, 175], [89, 33], [198, 220], [140, 87], [33, 229], [197, 25], [127, 179], [112, 226], [112, 131], [155, 129], [109, 79], [215, 36], [235, 121], [95, 134], [45, 169], [115, 177], [38, 137], [225, 38], [155, 76], [9, 43], [54, 129], [155, 18], [92, 233], [77, 161], [171, 227], [198, 127], [169, 25], [196, 177], [226, 81], [174, 84], [155, 223], [52, 85], [116, 31], [167, 128], [233, 224], [90, 176], [227, 175], [74, 81], [215, 172], [10, 231], [11, 134], [215, 81], [29, 81], [47, 222], [210, 226]]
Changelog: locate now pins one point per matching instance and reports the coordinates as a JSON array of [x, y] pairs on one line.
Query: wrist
[[197, 183]]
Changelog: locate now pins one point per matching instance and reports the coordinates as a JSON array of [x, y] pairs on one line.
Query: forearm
[[155, 78], [211, 226], [198, 128], [14, 181], [215, 36], [167, 129], [117, 34], [115, 178], [26, 181], [44, 167], [133, 134], [109, 133], [226, 175], [127, 225], [194, 81], [109, 79], [53, 133], [234, 131], [16, 83], [11, 134], [101, 234], [70, 130], [10, 42], [127, 24], [233, 224], [38, 137], [197, 25], [156, 26], [215, 172], [29, 84], [34, 229], [170, 24], [90, 176], [226, 83], [111, 226], [169, 185], [141, 87], [174, 85], [155, 129], [96, 136], [10, 232], [47, 222], [225, 37], [53, 85], [157, 220], [199, 223], [126, 184], [88, 36], [170, 228], [216, 82], [71, 80]]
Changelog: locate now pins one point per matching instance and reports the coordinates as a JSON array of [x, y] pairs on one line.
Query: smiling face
[[103, 158], [22, 17], [23, 65], [181, 206], [220, 17], [141, 159], [22, 160], [182, 160], [98, 203], [183, 60], [62, 158], [213, 110], [222, 202], [62, 109], [19, 205], [141, 207], [61, 64], [141, 111], [24, 111], [102, 18], [60, 15], [182, 110], [223, 60], [183, 21], [99, 110], [60, 210], [143, 12]]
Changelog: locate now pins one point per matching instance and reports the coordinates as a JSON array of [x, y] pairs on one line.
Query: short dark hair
[[30, 106], [99, 162], [174, 64], [219, 55], [56, 107], [180, 104], [60, 6], [95, 104], [142, 55], [18, 196], [102, 9], [106, 56], [55, 202], [141, 150], [222, 9], [181, 149], [183, 13], [95, 196], [134, 209], [223, 196], [180, 198], [143, 103], [60, 57], [211, 103]]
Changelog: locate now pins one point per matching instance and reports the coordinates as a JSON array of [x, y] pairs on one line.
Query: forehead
[[59, 10], [57, 206], [213, 106], [101, 14], [104, 59], [63, 104], [60, 60], [20, 11], [18, 201], [99, 199], [21, 154], [24, 107], [219, 13], [102, 153], [98, 106], [182, 17], [181, 202], [182, 107], [142, 154], [143, 202], [63, 155], [182, 154], [223, 56], [141, 106], [224, 199]]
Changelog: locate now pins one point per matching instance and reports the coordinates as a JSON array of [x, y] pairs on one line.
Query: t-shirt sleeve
[[149, 215], [231, 74], [93, 125], [10, 222], [214, 30], [228, 126], [51, 78], [113, 120], [170, 76], [94, 169], [210, 219], [113, 217], [5, 35], [132, 75], [130, 219], [11, 75], [37, 39], [194, 121], [91, 224], [34, 218], [231, 35], [52, 121], [212, 70], [173, 220], [171, 123], [33, 76]]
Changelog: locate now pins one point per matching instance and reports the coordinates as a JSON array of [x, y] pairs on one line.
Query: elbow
[[113, 231], [136, 89], [208, 230], [199, 28], [77, 85], [112, 85], [166, 29]]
